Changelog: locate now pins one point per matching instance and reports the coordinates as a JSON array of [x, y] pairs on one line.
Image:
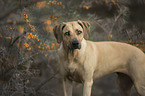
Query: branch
[[100, 26], [128, 35], [18, 65], [17, 38], [43, 83], [19, 23], [116, 19], [25, 4]]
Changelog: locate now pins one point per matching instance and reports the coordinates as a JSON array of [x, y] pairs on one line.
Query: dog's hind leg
[[138, 75], [140, 84], [140, 89], [124, 84]]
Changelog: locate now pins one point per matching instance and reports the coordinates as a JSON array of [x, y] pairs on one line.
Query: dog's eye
[[67, 33], [79, 32]]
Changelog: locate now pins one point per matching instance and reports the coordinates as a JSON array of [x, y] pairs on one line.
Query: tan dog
[[83, 60]]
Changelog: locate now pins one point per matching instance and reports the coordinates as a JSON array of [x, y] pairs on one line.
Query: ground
[[105, 86]]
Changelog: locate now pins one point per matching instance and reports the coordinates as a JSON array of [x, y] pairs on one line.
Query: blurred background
[[28, 49]]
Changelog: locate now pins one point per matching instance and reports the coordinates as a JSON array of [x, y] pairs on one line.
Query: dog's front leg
[[87, 87], [67, 87]]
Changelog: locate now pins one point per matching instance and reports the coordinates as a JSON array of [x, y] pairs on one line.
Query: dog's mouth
[[72, 47]]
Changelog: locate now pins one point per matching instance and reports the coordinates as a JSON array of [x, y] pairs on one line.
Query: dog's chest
[[74, 76]]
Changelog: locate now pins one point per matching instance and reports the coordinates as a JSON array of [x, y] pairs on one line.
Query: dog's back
[[111, 54]]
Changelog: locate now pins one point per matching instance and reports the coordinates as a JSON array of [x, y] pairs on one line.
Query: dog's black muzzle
[[75, 44]]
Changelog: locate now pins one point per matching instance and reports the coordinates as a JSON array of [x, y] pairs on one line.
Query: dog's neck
[[72, 54]]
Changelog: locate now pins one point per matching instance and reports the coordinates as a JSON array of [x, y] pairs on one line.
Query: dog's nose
[[75, 43]]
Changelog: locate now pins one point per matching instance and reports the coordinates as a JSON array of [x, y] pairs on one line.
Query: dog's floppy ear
[[86, 27], [58, 32]]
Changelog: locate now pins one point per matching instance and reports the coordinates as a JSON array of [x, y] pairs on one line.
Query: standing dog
[[83, 60]]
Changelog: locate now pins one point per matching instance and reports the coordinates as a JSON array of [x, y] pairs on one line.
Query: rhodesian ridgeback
[[83, 60]]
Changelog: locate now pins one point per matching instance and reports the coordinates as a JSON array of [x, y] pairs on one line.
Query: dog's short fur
[[83, 60]]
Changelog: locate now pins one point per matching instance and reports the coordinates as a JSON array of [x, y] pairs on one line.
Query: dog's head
[[72, 33]]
